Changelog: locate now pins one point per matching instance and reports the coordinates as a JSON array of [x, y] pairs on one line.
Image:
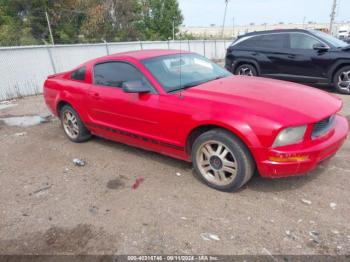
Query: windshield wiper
[[192, 84], [189, 85], [218, 77], [202, 82], [196, 83]]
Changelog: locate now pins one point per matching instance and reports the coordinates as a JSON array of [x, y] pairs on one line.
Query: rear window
[[79, 74], [250, 42], [266, 41]]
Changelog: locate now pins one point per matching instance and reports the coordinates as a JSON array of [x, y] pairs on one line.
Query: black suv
[[304, 56]]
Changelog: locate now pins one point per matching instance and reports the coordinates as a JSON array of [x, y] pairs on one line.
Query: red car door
[[131, 117]]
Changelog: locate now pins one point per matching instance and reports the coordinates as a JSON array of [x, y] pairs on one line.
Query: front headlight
[[290, 135]]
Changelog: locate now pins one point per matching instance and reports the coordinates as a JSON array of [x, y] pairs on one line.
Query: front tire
[[342, 80], [221, 160], [246, 70], [72, 125]]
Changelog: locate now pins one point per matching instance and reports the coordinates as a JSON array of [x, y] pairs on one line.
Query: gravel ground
[[50, 206]]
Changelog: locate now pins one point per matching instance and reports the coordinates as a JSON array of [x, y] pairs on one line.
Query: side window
[[250, 42], [115, 73], [79, 74], [266, 41], [274, 41], [302, 41]]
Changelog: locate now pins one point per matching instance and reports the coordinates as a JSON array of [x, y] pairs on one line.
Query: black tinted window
[[302, 41], [115, 73], [274, 41], [266, 41], [250, 42], [79, 74]]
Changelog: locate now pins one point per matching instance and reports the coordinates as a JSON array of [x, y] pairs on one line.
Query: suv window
[[115, 73], [266, 41], [274, 41], [302, 41], [79, 74]]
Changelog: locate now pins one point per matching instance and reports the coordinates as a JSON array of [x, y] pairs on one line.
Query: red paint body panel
[[254, 109], [317, 150]]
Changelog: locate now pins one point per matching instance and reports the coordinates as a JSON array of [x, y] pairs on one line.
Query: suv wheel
[[73, 126], [221, 160], [246, 69], [342, 80]]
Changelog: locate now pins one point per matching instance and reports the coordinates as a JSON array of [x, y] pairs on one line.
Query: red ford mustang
[[183, 105]]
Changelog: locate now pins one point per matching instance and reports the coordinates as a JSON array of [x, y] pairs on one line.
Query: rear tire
[[73, 127], [341, 80], [246, 69], [221, 160]]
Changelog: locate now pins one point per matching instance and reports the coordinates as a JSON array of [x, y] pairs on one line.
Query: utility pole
[[223, 23], [49, 26], [233, 26], [332, 16], [173, 28]]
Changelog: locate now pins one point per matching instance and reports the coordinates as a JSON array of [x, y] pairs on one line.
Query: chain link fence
[[23, 70]]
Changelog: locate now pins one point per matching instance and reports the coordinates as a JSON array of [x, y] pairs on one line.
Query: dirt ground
[[50, 206]]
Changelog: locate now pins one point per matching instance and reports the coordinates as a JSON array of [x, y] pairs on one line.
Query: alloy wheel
[[70, 124], [216, 163], [246, 71], [344, 81]]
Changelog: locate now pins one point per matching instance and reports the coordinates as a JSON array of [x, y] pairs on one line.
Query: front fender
[[336, 66], [242, 130]]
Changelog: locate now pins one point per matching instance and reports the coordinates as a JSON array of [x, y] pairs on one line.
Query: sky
[[206, 12]]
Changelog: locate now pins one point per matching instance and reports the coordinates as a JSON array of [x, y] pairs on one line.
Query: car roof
[[276, 31], [138, 55], [145, 54]]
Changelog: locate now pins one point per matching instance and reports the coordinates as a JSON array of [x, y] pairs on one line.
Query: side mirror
[[320, 47], [135, 86]]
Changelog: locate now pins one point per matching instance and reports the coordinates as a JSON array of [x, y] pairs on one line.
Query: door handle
[[96, 96], [291, 56]]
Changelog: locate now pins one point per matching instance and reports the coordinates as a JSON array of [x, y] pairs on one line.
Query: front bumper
[[314, 151]]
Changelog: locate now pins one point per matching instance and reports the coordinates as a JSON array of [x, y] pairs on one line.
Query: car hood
[[284, 102]]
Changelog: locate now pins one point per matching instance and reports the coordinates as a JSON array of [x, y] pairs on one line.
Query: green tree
[[23, 22], [111, 20], [66, 18], [15, 27], [158, 17]]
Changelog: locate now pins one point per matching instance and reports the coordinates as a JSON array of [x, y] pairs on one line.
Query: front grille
[[322, 127]]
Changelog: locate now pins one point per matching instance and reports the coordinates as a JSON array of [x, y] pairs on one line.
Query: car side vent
[[322, 127]]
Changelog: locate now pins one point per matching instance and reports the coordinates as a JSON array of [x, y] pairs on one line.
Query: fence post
[[168, 44], [188, 43], [107, 49], [204, 46], [51, 59], [141, 46], [215, 52]]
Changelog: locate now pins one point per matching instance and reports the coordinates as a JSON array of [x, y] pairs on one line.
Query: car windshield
[[330, 39], [181, 71]]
